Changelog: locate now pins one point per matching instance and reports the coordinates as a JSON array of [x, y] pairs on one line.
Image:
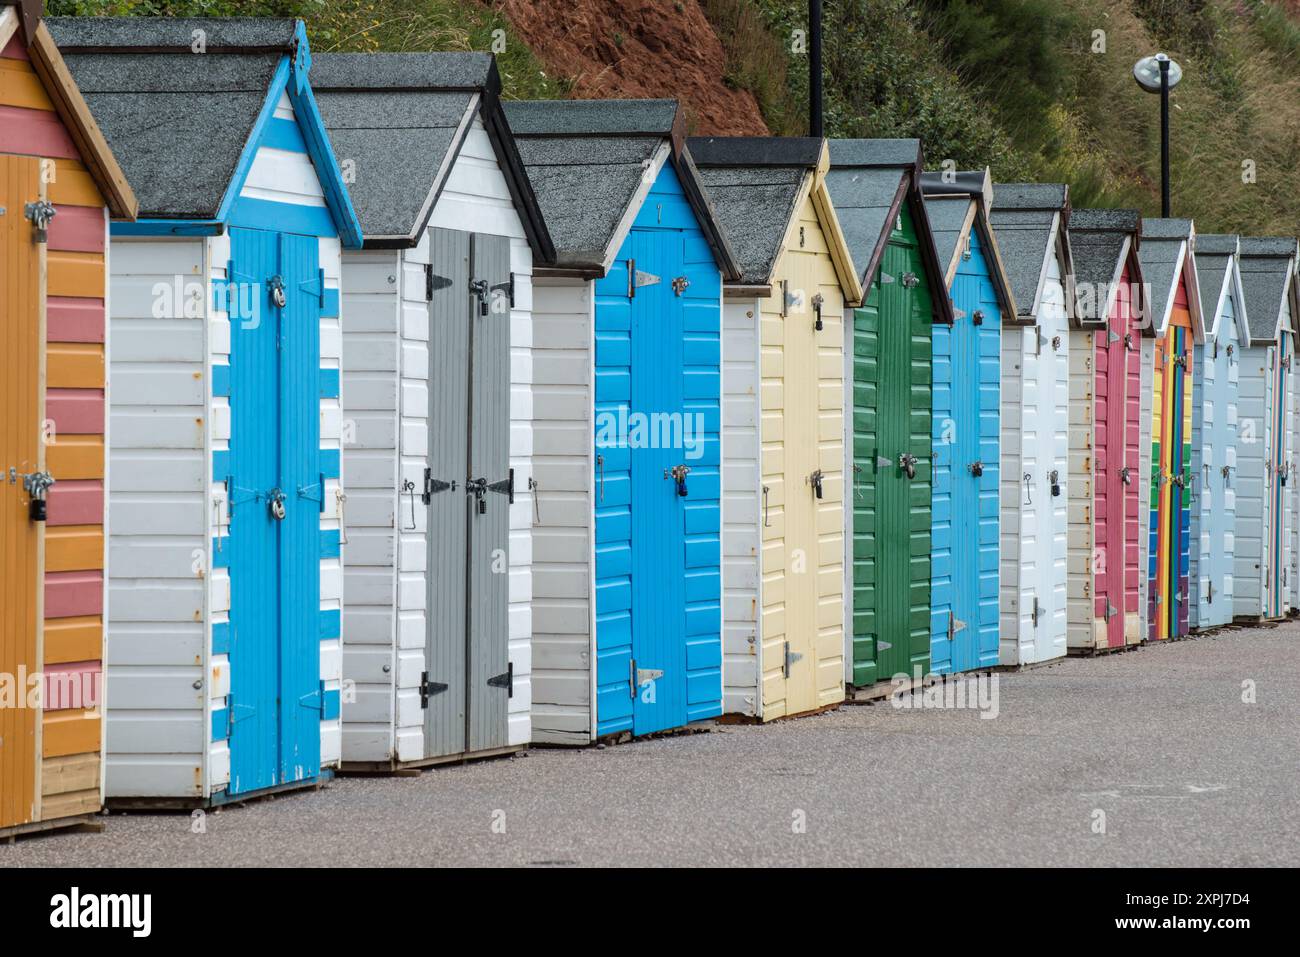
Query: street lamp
[[1159, 74]]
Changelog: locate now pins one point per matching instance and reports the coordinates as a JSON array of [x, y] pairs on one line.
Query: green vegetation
[[366, 25]]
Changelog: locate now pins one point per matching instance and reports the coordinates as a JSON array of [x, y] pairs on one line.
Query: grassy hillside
[[1036, 89], [1043, 89]]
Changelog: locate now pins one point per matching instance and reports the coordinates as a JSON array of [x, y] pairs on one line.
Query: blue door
[[657, 407], [965, 546], [274, 488]]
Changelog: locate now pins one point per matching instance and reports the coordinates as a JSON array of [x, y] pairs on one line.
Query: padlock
[[976, 468], [679, 473], [275, 502], [276, 285], [36, 510], [816, 481], [907, 462], [1054, 477]]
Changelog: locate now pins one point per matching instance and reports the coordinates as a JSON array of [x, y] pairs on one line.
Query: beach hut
[[1265, 436], [876, 188], [1169, 270], [437, 384], [1215, 425], [59, 183], [965, 535], [627, 401], [1031, 222], [1105, 511], [225, 579], [783, 415]]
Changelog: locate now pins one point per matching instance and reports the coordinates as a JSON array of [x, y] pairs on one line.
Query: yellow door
[[21, 411]]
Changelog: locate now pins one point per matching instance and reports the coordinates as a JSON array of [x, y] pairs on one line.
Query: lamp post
[[1159, 74], [815, 68]]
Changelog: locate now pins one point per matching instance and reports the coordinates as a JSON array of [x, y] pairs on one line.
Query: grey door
[[467, 489]]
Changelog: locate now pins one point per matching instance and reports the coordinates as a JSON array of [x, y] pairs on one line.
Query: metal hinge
[[1033, 615], [955, 625], [636, 279], [790, 658], [506, 487], [1111, 610], [636, 677], [429, 688], [1209, 589], [433, 282], [432, 486], [504, 680]]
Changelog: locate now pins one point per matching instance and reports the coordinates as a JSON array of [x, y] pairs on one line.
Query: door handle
[[766, 523]]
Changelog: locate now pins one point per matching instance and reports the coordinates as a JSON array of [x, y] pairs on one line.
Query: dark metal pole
[[1164, 137], [815, 68]]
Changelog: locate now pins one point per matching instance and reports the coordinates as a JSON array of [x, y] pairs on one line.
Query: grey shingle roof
[[396, 117], [1267, 280], [1022, 218], [1096, 244], [1214, 255], [154, 33], [754, 183], [1162, 240], [947, 221], [868, 180], [586, 160], [177, 122]]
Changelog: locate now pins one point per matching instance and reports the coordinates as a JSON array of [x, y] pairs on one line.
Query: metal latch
[[907, 462], [790, 658], [636, 677], [1125, 477], [1054, 479], [504, 680], [40, 213], [479, 289], [429, 688], [678, 474], [433, 486], [275, 285], [976, 468], [977, 317], [910, 281], [815, 480], [679, 284], [817, 301]]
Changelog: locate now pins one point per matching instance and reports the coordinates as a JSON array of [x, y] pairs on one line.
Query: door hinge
[[429, 688], [1033, 615], [432, 486], [1209, 591], [636, 677], [790, 658], [955, 625], [505, 487], [885, 278], [1111, 610], [433, 282], [636, 279], [504, 680]]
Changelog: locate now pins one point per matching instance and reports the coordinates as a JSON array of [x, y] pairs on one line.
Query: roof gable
[[160, 104], [402, 118], [1268, 282], [868, 182], [956, 204], [593, 162], [22, 25], [758, 186], [1167, 260], [1103, 242], [1030, 221], [1218, 278]]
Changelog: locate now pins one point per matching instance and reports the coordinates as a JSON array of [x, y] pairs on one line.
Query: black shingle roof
[[1097, 245], [1022, 217], [1162, 241], [1268, 282]]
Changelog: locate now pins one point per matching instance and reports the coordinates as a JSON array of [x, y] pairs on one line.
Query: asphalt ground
[[1149, 757]]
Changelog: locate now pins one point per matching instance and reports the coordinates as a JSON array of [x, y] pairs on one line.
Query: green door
[[891, 508]]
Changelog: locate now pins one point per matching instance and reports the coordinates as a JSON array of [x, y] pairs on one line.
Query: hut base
[[89, 823], [413, 768], [755, 719], [220, 799], [883, 690]]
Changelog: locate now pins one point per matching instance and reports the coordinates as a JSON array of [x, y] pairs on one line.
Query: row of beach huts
[[352, 417]]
